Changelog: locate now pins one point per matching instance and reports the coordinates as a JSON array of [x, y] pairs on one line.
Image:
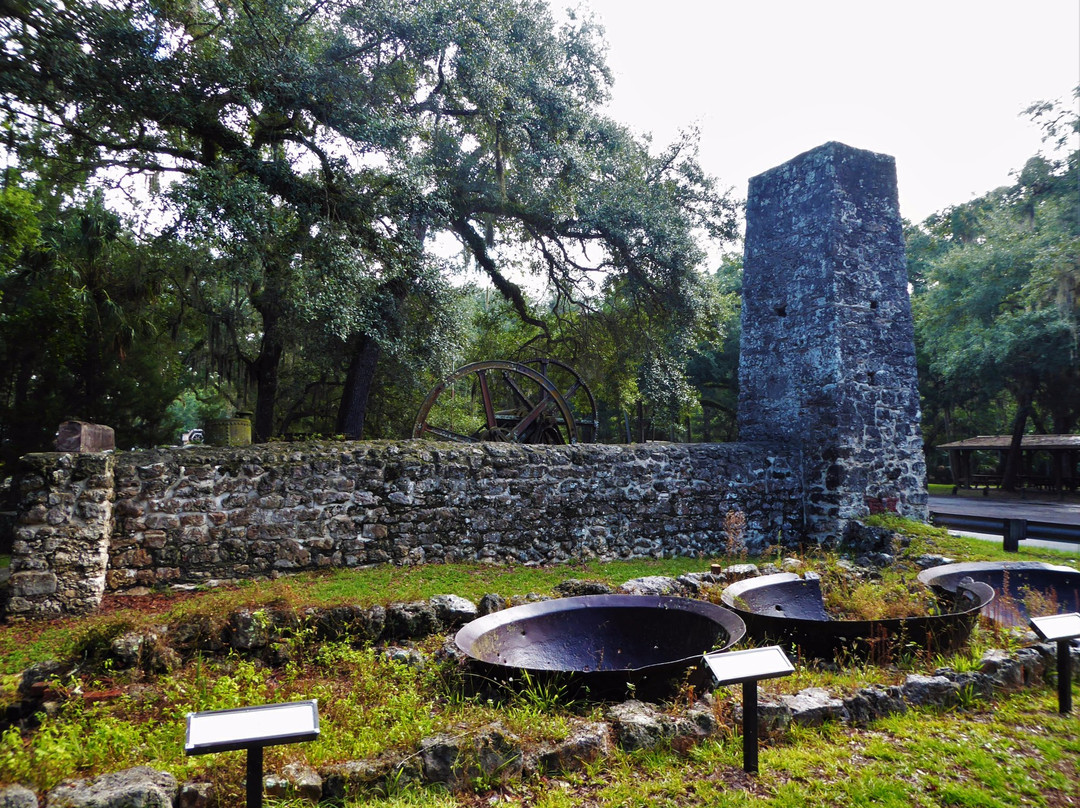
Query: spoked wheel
[[496, 401], [575, 391]]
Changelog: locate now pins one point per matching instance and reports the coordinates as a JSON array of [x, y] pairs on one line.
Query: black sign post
[[747, 668], [1060, 628], [252, 728]]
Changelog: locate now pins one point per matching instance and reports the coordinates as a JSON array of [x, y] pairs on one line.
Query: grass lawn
[[1015, 750]]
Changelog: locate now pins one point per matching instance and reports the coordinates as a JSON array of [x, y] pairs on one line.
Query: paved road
[[1064, 513], [1067, 513]]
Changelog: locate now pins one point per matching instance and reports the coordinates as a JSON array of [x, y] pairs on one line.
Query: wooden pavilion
[[1047, 462]]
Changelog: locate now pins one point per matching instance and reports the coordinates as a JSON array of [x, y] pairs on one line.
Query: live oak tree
[[320, 147], [269, 113], [997, 306]]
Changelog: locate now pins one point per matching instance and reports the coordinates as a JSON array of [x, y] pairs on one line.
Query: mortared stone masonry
[[828, 415]]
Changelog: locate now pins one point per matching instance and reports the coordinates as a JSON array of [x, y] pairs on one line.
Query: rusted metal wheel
[[497, 401], [575, 391]]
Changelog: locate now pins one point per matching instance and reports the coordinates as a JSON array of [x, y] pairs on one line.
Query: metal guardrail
[[1012, 531]]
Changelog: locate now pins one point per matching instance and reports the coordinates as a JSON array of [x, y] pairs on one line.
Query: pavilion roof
[[1027, 442]]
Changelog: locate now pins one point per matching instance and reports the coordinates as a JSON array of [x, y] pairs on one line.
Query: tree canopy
[[303, 161], [997, 301]]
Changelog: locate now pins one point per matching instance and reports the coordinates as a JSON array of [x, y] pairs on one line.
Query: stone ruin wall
[[827, 363], [113, 522], [828, 406]]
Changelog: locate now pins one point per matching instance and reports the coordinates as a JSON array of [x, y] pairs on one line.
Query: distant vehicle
[[194, 436]]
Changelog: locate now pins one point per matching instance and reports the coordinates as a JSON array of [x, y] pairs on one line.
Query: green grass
[[1013, 750], [997, 494], [1019, 751], [23, 644], [933, 539]]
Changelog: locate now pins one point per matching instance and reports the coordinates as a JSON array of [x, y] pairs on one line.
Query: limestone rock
[[694, 582], [652, 585], [930, 691], [411, 657], [872, 703], [491, 755], [17, 797], [275, 786], [197, 633], [737, 572], [491, 602], [33, 678], [139, 787], [453, 611], [973, 683], [1005, 671], [352, 778], [574, 587], [249, 629], [127, 648], [860, 539], [304, 781], [409, 620], [774, 717], [197, 795], [638, 725], [814, 706], [531, 597], [585, 745]]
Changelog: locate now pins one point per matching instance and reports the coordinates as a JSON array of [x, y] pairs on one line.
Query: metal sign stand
[[746, 668], [1060, 628], [252, 728]]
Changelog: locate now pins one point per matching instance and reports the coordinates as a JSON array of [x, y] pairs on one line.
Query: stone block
[[586, 745], [80, 436], [492, 755], [814, 706], [31, 584]]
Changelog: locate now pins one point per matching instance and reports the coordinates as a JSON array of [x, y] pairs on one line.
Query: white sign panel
[[246, 727], [731, 667], [1057, 626]]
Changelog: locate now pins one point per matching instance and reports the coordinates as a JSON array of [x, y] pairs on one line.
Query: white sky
[[938, 84]]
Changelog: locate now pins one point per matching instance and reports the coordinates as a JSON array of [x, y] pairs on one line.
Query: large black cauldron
[[611, 645], [787, 609], [1045, 588]]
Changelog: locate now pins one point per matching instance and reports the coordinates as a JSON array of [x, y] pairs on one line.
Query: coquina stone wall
[[828, 398], [113, 522], [827, 357], [61, 549]]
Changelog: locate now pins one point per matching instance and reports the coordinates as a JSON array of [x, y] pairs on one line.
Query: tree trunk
[[354, 400], [265, 370], [1014, 456]]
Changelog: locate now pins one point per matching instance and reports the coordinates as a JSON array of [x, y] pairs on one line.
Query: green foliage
[[1014, 748], [541, 695], [996, 302], [316, 153], [88, 329], [19, 227]]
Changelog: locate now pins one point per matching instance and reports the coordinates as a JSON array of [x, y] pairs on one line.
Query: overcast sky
[[938, 84]]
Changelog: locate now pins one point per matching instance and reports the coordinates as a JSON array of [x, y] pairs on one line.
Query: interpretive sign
[[1060, 628], [735, 667], [746, 668], [252, 728], [1057, 626]]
